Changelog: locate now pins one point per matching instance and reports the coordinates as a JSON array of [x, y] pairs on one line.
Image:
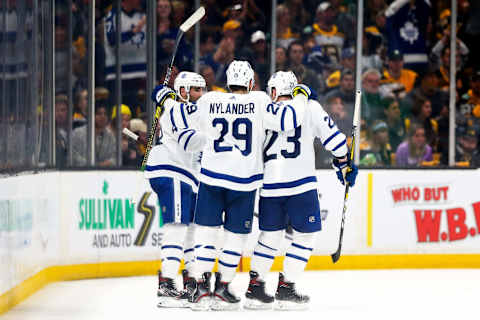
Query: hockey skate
[[200, 300], [169, 296], [189, 286], [257, 298], [223, 299], [287, 298]]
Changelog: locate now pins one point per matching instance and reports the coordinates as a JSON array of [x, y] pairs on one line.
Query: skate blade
[[220, 305], [202, 305], [169, 302], [253, 304], [289, 305]]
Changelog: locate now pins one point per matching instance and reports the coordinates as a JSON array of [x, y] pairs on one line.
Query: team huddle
[[215, 151]]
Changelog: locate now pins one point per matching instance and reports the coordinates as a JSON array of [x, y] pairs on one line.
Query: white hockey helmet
[[239, 73], [283, 82], [187, 79]]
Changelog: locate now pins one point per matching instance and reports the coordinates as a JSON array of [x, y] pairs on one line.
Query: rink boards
[[85, 224]]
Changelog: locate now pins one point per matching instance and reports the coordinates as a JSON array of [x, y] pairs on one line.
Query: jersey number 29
[[241, 130]]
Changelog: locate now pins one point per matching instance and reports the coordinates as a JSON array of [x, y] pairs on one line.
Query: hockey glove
[[161, 93], [301, 89], [346, 170]]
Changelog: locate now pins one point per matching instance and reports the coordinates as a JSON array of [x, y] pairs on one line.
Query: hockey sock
[[297, 254], [171, 252], [231, 254], [189, 251], [265, 251], [204, 249]]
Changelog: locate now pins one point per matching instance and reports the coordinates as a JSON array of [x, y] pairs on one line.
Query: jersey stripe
[[172, 168], [227, 177], [331, 137], [290, 184], [183, 115], [340, 144], [184, 132], [188, 139]]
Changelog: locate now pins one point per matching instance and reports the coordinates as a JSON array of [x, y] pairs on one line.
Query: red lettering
[[436, 194], [415, 194], [445, 191], [457, 229], [476, 210], [406, 193], [427, 226], [426, 194], [397, 195]]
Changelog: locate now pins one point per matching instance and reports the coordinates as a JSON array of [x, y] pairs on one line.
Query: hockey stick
[[194, 18], [356, 115]]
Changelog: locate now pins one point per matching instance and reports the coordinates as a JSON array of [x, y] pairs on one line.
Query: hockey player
[[289, 195], [232, 169], [172, 168]]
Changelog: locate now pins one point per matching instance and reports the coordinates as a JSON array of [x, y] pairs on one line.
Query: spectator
[[415, 149], [445, 42], [285, 35], [207, 73], [372, 106], [346, 91], [225, 52], [395, 122], [139, 127], [471, 100], [443, 72], [298, 14], [379, 152], [372, 46], [422, 113], [133, 50], [466, 148], [126, 113], [406, 27], [428, 88], [207, 44], [303, 74], [347, 62], [61, 124], [396, 80], [104, 141], [327, 35], [344, 21], [257, 55], [281, 60], [167, 32], [80, 108]]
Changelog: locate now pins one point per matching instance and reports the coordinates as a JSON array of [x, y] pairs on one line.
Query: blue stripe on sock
[[227, 264], [233, 253], [210, 247], [264, 245], [301, 247], [206, 259], [188, 250], [293, 256], [255, 253], [173, 258]]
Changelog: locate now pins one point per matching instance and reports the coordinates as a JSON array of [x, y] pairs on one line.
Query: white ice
[[335, 295]]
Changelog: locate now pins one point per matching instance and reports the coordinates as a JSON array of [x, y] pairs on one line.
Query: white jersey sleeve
[[325, 128], [185, 124], [286, 115]]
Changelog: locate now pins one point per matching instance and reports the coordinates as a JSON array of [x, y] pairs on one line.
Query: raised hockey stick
[[194, 18], [356, 120]]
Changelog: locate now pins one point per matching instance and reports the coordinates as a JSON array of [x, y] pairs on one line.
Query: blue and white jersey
[[234, 130], [178, 153], [289, 157], [133, 46]]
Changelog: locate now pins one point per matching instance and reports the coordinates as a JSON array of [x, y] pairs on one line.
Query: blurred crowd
[[405, 69]]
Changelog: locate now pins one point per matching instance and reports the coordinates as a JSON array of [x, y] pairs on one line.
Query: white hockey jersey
[[289, 157], [177, 154], [234, 130]]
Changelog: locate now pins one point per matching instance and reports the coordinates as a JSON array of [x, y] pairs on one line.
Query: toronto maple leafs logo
[[409, 32], [138, 39]]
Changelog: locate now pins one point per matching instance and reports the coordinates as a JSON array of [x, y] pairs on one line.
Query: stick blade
[[335, 256], [194, 18]]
